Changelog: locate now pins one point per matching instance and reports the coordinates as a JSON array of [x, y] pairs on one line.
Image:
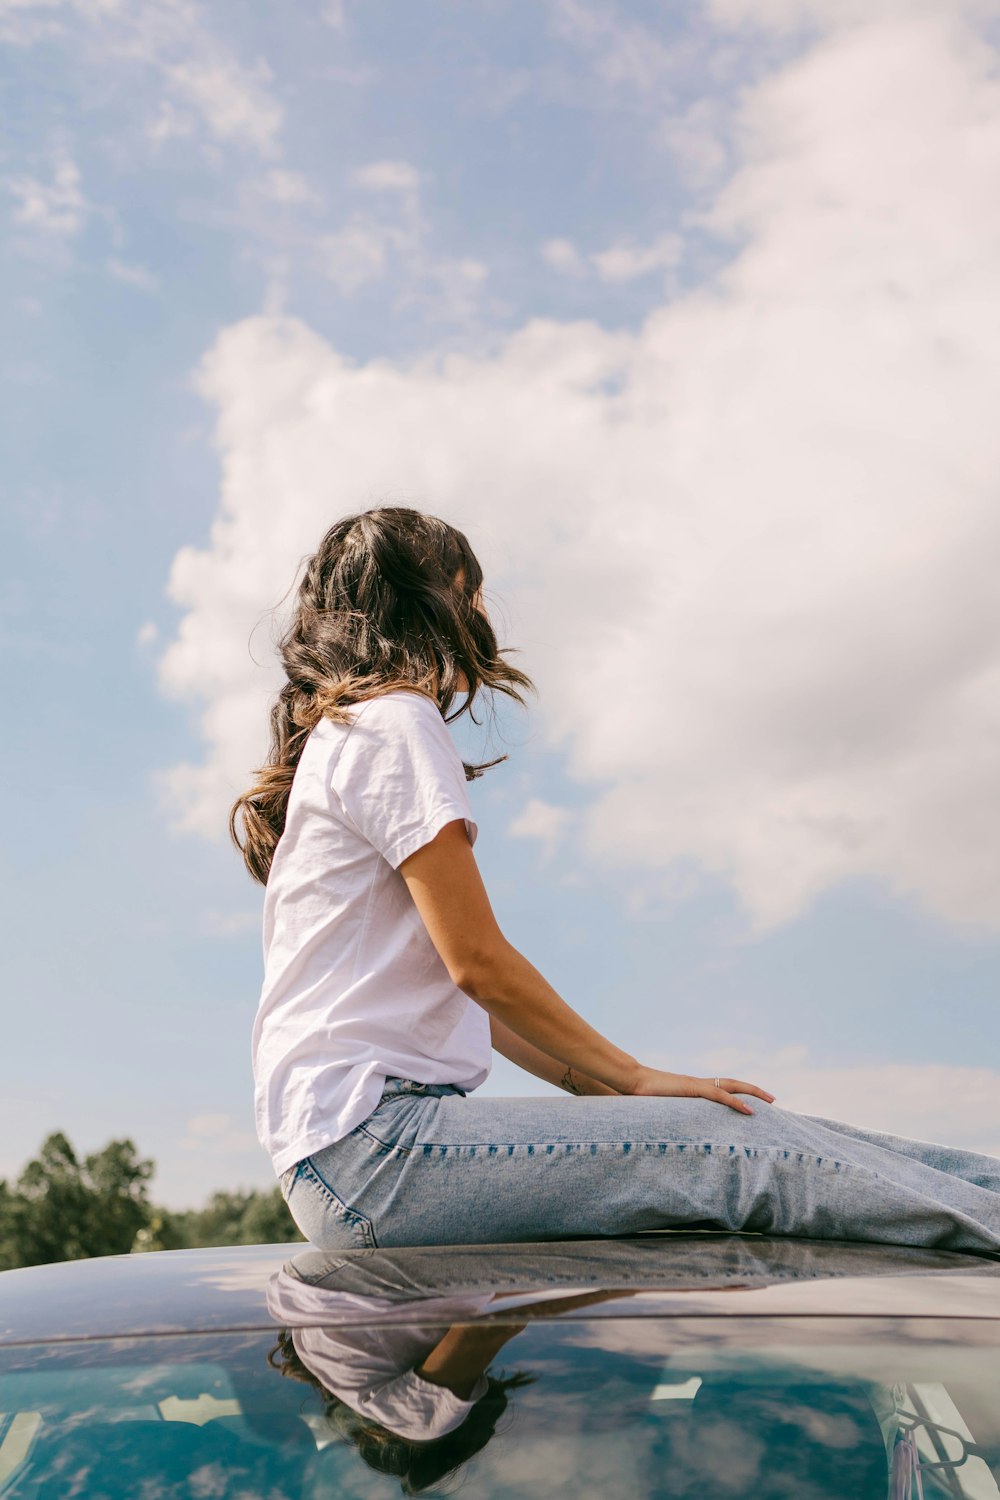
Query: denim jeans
[[432, 1166]]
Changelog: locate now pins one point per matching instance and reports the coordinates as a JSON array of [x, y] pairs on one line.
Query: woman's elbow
[[479, 972]]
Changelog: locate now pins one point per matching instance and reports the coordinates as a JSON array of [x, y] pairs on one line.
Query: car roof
[[668, 1273]]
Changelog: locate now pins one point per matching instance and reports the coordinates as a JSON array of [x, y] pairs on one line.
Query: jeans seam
[[386, 1148], [725, 1150], [352, 1217]]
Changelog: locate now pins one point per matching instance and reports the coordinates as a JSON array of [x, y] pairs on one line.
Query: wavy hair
[[389, 600]]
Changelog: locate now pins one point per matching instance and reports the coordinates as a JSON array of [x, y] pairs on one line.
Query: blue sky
[[687, 314]]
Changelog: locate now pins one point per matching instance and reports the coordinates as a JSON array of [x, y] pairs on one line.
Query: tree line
[[64, 1207]]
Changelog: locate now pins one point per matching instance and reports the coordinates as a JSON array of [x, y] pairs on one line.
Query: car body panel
[[689, 1274]]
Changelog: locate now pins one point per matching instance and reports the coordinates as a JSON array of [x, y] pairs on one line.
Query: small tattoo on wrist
[[569, 1083]]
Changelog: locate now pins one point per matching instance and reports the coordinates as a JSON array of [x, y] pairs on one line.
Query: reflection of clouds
[[573, 1463], [85, 1416]]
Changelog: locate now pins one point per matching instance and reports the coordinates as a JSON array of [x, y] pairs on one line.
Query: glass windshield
[[772, 1408]]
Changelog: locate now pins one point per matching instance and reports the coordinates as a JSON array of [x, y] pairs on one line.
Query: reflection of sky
[[774, 1399], [403, 186]]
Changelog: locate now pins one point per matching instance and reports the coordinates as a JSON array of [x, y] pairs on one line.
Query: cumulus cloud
[[204, 84], [389, 175], [366, 248], [750, 545], [627, 55], [622, 261], [136, 276], [562, 255], [54, 205], [356, 254], [794, 15], [282, 186], [233, 101], [626, 261], [697, 138], [542, 821]]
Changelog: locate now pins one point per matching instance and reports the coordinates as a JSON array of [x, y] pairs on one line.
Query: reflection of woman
[[416, 1403], [387, 980]]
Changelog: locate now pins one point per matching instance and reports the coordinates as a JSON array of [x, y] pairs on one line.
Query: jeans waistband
[[395, 1086]]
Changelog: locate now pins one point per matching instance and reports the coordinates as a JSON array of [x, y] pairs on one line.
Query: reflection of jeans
[[431, 1166]]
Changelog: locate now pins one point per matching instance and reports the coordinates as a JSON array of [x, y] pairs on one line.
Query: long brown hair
[[389, 600]]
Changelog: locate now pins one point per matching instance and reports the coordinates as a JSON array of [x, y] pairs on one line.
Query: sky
[[688, 315]]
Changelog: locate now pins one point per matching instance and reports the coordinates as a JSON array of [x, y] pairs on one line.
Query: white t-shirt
[[354, 991]]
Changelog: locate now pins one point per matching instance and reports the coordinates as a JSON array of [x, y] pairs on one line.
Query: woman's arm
[[444, 881], [464, 1354], [550, 1069]]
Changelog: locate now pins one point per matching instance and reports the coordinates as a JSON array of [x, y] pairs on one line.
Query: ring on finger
[[717, 1083]]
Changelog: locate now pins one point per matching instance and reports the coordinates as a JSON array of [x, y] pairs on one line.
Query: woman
[[388, 981]]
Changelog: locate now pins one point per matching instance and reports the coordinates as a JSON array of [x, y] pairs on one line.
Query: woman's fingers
[[723, 1096], [727, 1091], [737, 1086], [719, 1090]]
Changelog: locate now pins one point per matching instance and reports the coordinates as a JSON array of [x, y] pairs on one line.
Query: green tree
[[62, 1208], [233, 1218]]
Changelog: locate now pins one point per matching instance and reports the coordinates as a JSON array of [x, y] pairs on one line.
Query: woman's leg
[[982, 1170], [450, 1169]]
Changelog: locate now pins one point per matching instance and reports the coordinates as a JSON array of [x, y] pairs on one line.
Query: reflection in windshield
[[417, 1403]]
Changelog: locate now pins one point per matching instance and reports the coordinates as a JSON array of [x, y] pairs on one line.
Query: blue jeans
[[432, 1166]]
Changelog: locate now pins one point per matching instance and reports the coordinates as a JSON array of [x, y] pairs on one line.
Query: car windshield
[[804, 1407]]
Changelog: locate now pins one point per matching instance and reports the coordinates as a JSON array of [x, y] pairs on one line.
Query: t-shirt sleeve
[[399, 778], [413, 1408]]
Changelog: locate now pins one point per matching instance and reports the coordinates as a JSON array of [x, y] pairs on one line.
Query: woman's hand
[[681, 1085]]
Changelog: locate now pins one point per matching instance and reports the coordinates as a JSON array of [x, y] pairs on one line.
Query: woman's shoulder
[[402, 722], [396, 706]]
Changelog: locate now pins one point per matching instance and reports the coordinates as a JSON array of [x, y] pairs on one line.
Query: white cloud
[[751, 546], [205, 83], [287, 187], [563, 256], [626, 54], [364, 249], [232, 100], [22, 26], [388, 176], [55, 206], [138, 276], [624, 262], [796, 15], [147, 634], [949, 1104], [697, 138], [542, 821], [356, 254], [170, 123]]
